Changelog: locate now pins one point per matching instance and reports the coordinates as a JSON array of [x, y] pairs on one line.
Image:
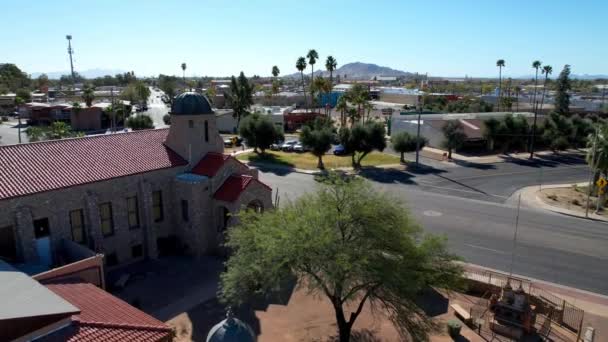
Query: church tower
[[193, 131]]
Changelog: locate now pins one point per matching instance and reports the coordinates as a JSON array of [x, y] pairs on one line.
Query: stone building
[[127, 195]]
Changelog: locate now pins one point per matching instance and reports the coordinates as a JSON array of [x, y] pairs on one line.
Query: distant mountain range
[[356, 70], [89, 73]]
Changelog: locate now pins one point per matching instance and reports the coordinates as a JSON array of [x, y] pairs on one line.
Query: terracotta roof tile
[[42, 166], [104, 317], [210, 164], [233, 186]]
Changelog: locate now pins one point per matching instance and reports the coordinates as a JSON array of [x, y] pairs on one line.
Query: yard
[[309, 162]]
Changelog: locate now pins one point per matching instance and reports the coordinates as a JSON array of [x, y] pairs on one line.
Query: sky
[[219, 38]]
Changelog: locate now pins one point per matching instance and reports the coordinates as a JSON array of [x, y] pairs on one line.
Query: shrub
[[167, 119], [552, 197], [140, 122]]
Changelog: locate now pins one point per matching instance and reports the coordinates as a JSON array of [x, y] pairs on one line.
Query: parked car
[[288, 145], [339, 150], [299, 147], [228, 142], [276, 146]]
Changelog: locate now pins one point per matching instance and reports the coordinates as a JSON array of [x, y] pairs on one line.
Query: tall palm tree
[[184, 72], [536, 65], [500, 64], [301, 65], [331, 64], [547, 70], [312, 59], [275, 71], [342, 106], [88, 95]]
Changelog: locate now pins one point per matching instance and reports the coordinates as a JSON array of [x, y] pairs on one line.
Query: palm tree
[[184, 72], [331, 64], [312, 59], [88, 95], [536, 65], [500, 64], [547, 70], [597, 155], [342, 106], [301, 65]]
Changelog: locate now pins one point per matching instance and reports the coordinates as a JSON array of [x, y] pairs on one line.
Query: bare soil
[[571, 198]]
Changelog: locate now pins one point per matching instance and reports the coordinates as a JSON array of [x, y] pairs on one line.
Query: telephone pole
[[70, 52]]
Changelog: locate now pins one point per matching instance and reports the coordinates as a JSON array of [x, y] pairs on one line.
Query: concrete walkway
[[530, 198]]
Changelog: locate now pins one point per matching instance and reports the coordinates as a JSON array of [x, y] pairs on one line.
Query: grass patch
[[309, 162]]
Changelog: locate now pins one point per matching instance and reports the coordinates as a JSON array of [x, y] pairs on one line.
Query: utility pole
[[113, 128], [419, 105], [590, 186], [70, 52]]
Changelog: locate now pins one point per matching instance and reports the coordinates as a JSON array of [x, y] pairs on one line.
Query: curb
[[530, 197]]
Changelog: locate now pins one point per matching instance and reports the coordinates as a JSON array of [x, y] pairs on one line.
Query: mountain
[[356, 70], [89, 73]]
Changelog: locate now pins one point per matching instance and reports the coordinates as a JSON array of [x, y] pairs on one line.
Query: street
[[157, 108], [9, 132], [480, 227]]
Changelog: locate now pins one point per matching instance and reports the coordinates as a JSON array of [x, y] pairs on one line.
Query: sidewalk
[[495, 158], [530, 198]]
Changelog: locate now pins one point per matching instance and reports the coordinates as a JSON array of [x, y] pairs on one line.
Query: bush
[[139, 122], [259, 132], [167, 119], [454, 327], [404, 142], [552, 197]]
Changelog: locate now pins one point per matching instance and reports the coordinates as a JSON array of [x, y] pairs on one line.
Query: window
[[206, 131], [157, 206], [77, 225], [185, 213], [132, 212], [105, 214], [111, 259], [8, 245], [137, 251]]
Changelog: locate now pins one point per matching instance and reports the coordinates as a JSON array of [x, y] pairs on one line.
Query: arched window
[[206, 131], [256, 205]]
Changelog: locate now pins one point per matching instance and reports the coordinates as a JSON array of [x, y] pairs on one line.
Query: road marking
[[486, 248], [544, 170], [432, 213], [430, 185]]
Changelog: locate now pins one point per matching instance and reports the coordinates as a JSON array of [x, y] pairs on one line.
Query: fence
[[554, 308]]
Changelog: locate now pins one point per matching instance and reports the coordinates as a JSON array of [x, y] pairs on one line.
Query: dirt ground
[[569, 198], [303, 317]]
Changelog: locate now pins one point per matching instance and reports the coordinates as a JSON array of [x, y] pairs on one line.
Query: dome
[[190, 103], [231, 330]]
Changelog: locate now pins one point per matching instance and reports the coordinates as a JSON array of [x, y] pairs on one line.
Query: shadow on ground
[[363, 335], [432, 302], [550, 160]]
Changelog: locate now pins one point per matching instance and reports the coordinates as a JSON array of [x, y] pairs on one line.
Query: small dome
[[190, 103], [231, 330]]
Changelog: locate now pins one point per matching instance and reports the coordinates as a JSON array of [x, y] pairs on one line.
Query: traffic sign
[[601, 183]]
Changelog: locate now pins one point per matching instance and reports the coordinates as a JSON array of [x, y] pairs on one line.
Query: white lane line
[[485, 248], [461, 190]]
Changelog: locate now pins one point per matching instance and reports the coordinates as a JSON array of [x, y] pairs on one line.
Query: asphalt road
[[157, 108], [9, 132], [549, 246]]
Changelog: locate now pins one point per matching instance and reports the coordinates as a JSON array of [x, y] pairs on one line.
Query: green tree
[[557, 132], [240, 97], [581, 129], [301, 65], [597, 155], [403, 142], [454, 135], [343, 242], [363, 138], [88, 95], [562, 97], [275, 81], [168, 84], [35, 133], [500, 64], [140, 122], [491, 132], [13, 78], [275, 71], [24, 94], [57, 130], [317, 137], [259, 132], [331, 64], [342, 107]]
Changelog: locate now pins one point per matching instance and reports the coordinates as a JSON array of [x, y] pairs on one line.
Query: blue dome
[[231, 330], [190, 103]]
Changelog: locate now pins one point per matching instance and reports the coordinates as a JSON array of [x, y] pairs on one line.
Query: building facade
[[126, 195]]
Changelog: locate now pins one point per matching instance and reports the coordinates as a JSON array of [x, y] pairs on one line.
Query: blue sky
[[448, 38]]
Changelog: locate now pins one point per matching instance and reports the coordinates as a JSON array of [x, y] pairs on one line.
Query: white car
[[299, 147], [288, 145]]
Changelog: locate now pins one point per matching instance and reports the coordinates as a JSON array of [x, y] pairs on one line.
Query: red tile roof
[[31, 168], [234, 186], [104, 317], [210, 164]]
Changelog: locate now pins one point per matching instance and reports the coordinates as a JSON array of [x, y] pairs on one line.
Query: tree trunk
[[304, 90], [353, 162], [499, 86], [402, 159], [449, 153], [344, 327], [320, 162]]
